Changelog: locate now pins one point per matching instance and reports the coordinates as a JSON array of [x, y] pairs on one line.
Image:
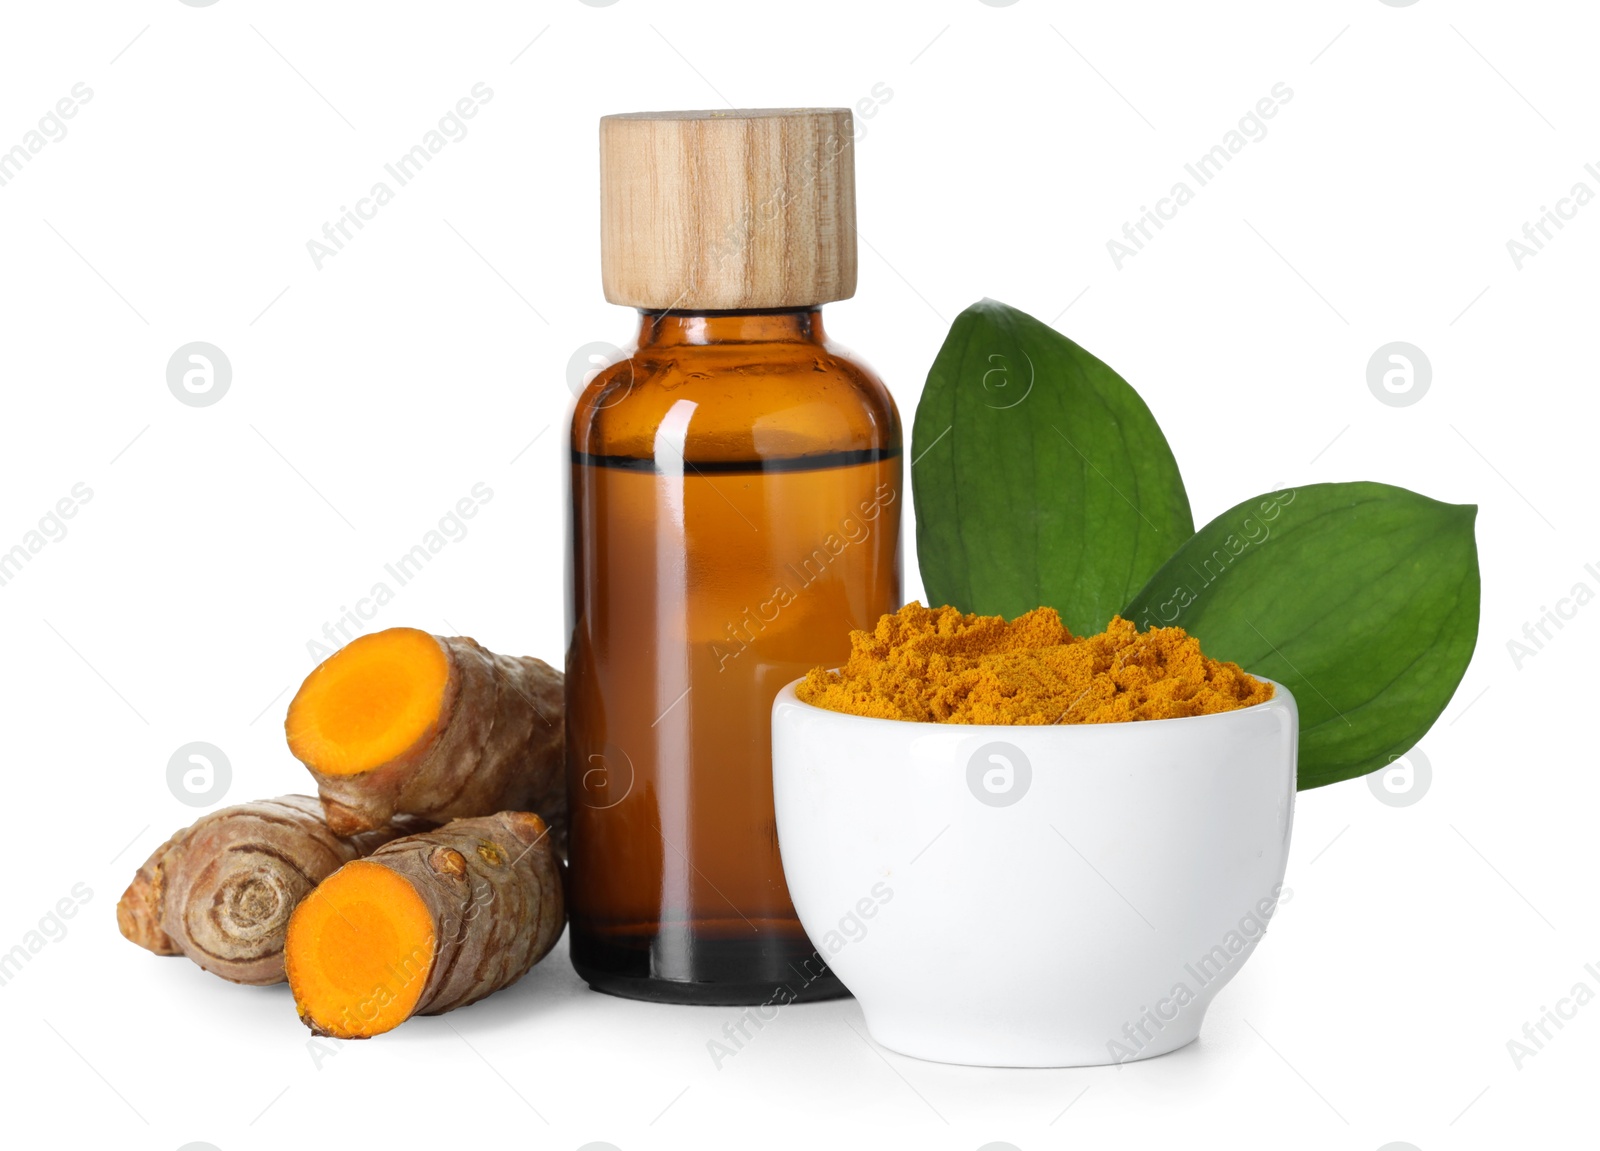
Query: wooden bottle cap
[[746, 208]]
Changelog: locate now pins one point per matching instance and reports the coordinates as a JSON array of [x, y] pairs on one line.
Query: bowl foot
[[937, 1040]]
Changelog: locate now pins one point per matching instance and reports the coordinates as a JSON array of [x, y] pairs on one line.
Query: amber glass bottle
[[735, 512]]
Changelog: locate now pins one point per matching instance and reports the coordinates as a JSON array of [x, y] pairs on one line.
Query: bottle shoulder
[[737, 402]]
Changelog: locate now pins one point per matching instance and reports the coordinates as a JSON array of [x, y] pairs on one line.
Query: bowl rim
[[1281, 696]]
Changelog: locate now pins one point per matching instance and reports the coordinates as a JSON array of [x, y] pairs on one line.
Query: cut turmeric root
[[424, 925], [403, 721], [221, 890]]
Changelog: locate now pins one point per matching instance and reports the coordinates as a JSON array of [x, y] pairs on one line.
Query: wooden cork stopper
[[748, 208]]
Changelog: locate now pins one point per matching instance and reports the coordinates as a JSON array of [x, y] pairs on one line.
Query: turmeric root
[[221, 890], [424, 925], [404, 721]]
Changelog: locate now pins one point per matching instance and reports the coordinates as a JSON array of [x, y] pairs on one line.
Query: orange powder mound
[[937, 665]]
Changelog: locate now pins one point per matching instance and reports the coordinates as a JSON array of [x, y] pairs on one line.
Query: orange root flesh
[[369, 702], [359, 952]]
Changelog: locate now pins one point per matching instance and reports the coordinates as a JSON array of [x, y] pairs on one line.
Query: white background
[[432, 354]]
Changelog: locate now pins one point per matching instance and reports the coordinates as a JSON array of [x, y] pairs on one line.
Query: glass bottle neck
[[686, 329]]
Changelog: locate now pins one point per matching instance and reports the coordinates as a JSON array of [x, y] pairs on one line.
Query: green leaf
[[1040, 477], [1361, 598]]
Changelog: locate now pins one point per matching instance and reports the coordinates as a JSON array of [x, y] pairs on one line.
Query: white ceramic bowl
[[1034, 896]]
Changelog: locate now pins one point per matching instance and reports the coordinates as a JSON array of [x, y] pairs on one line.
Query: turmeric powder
[[937, 665]]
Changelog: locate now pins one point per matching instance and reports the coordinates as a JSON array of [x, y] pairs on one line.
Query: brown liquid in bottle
[[735, 513]]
